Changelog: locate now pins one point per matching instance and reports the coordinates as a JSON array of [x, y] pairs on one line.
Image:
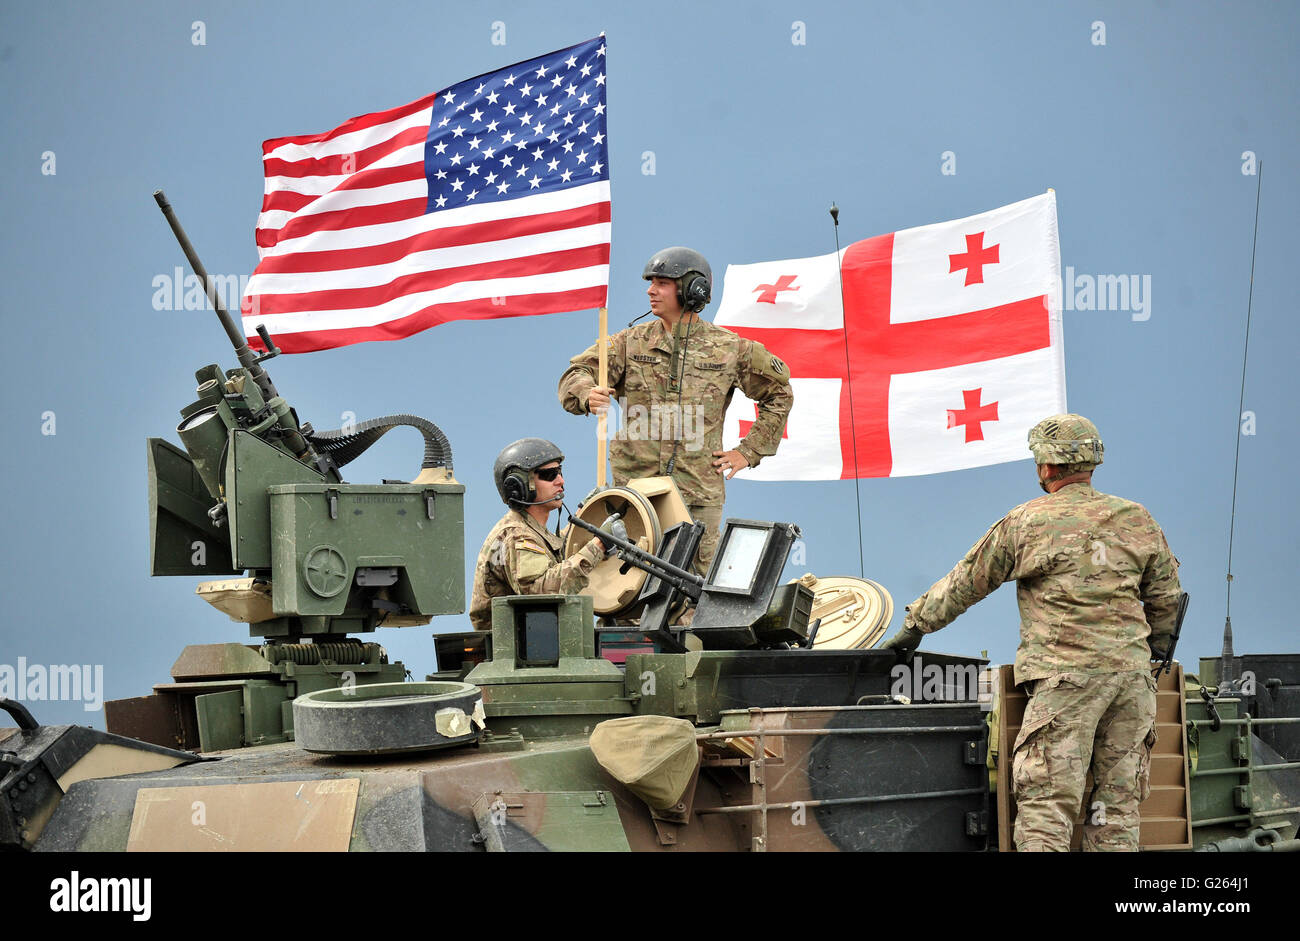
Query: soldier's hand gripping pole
[[689, 584]]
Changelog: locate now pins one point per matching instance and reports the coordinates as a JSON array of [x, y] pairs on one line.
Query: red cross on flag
[[952, 340]]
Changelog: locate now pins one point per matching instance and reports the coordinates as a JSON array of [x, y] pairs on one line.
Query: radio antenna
[[848, 381], [1225, 671]]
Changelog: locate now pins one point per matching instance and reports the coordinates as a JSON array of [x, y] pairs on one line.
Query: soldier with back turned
[[1098, 592]]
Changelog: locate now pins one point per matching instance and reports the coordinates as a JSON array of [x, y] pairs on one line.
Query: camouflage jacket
[[1094, 577], [644, 380], [520, 557]]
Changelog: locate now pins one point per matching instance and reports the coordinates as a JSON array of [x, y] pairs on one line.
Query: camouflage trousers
[[1075, 723], [711, 517]]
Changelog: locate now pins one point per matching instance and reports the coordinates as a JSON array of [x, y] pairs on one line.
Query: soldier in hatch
[[519, 556], [674, 378], [1098, 592]]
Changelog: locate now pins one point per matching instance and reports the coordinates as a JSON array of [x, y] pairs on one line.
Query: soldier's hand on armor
[[729, 463], [1159, 647], [598, 399], [615, 527], [590, 493], [905, 641]]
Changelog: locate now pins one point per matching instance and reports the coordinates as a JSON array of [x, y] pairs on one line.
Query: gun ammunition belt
[[344, 447]]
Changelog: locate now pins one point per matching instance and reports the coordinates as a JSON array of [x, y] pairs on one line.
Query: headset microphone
[[642, 317], [534, 502], [558, 496]]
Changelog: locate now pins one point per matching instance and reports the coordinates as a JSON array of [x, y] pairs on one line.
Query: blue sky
[[753, 135]]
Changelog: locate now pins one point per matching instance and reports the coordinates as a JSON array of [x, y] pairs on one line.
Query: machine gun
[[738, 605], [323, 557], [256, 493], [262, 412], [679, 579]]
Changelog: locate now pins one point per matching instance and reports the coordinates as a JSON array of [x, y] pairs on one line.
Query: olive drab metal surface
[[408, 539]]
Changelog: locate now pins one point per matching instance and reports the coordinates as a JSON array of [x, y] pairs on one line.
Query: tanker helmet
[[1069, 440], [688, 268], [513, 469]]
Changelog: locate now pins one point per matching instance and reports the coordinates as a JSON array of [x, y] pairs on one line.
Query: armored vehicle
[[663, 710]]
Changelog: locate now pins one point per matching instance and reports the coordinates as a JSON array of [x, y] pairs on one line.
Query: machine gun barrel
[[688, 583], [247, 358], [279, 418]]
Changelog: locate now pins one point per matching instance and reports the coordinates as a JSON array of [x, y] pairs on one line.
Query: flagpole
[[602, 347], [848, 382]]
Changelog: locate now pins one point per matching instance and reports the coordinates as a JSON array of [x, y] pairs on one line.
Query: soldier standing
[[674, 378], [1098, 593], [519, 556]]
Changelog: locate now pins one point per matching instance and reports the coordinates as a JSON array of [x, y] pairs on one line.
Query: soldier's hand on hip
[[598, 399], [729, 463]]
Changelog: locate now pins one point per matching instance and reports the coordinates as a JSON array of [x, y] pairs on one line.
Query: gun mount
[[738, 605], [257, 494]]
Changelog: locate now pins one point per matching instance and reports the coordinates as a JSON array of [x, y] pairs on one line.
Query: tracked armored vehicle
[[589, 722]]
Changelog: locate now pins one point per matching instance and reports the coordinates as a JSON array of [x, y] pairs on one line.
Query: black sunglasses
[[549, 473]]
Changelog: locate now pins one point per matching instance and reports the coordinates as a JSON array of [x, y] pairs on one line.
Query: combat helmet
[[513, 469], [1069, 440], [689, 269]]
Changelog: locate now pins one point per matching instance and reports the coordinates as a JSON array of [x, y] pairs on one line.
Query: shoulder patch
[[765, 363], [531, 561]]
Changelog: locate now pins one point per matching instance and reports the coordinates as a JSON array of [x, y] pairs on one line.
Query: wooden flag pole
[[602, 346]]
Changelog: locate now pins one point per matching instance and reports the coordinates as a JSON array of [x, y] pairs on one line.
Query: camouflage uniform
[[1095, 578], [643, 370], [520, 557]]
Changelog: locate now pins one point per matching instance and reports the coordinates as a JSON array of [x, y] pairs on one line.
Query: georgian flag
[[952, 339]]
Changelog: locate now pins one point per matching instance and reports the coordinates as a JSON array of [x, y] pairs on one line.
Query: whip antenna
[[1225, 672], [848, 381]]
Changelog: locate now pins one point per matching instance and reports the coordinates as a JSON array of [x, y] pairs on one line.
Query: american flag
[[487, 199]]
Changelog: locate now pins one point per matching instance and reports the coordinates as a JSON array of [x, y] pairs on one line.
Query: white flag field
[[946, 349]]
